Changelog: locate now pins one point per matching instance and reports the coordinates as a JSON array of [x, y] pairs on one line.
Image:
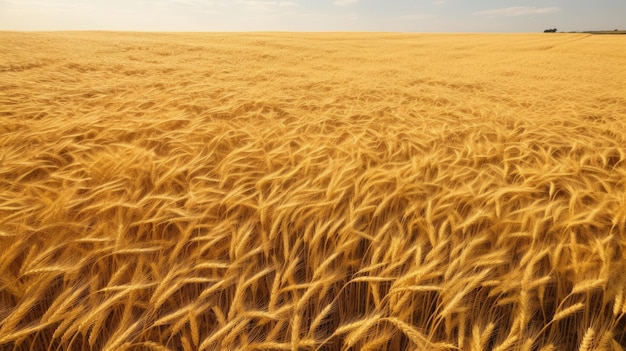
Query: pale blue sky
[[314, 15]]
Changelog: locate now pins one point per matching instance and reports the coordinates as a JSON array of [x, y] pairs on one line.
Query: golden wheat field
[[312, 191]]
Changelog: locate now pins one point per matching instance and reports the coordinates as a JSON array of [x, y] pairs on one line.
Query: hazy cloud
[[288, 4], [416, 17], [42, 4], [268, 6], [313, 15], [518, 11], [345, 2], [194, 3]]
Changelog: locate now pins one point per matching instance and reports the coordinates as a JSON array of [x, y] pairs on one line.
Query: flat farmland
[[312, 191]]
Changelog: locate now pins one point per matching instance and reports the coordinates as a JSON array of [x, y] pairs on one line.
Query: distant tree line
[[553, 30]]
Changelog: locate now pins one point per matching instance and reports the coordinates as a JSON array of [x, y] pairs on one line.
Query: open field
[[312, 191]]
